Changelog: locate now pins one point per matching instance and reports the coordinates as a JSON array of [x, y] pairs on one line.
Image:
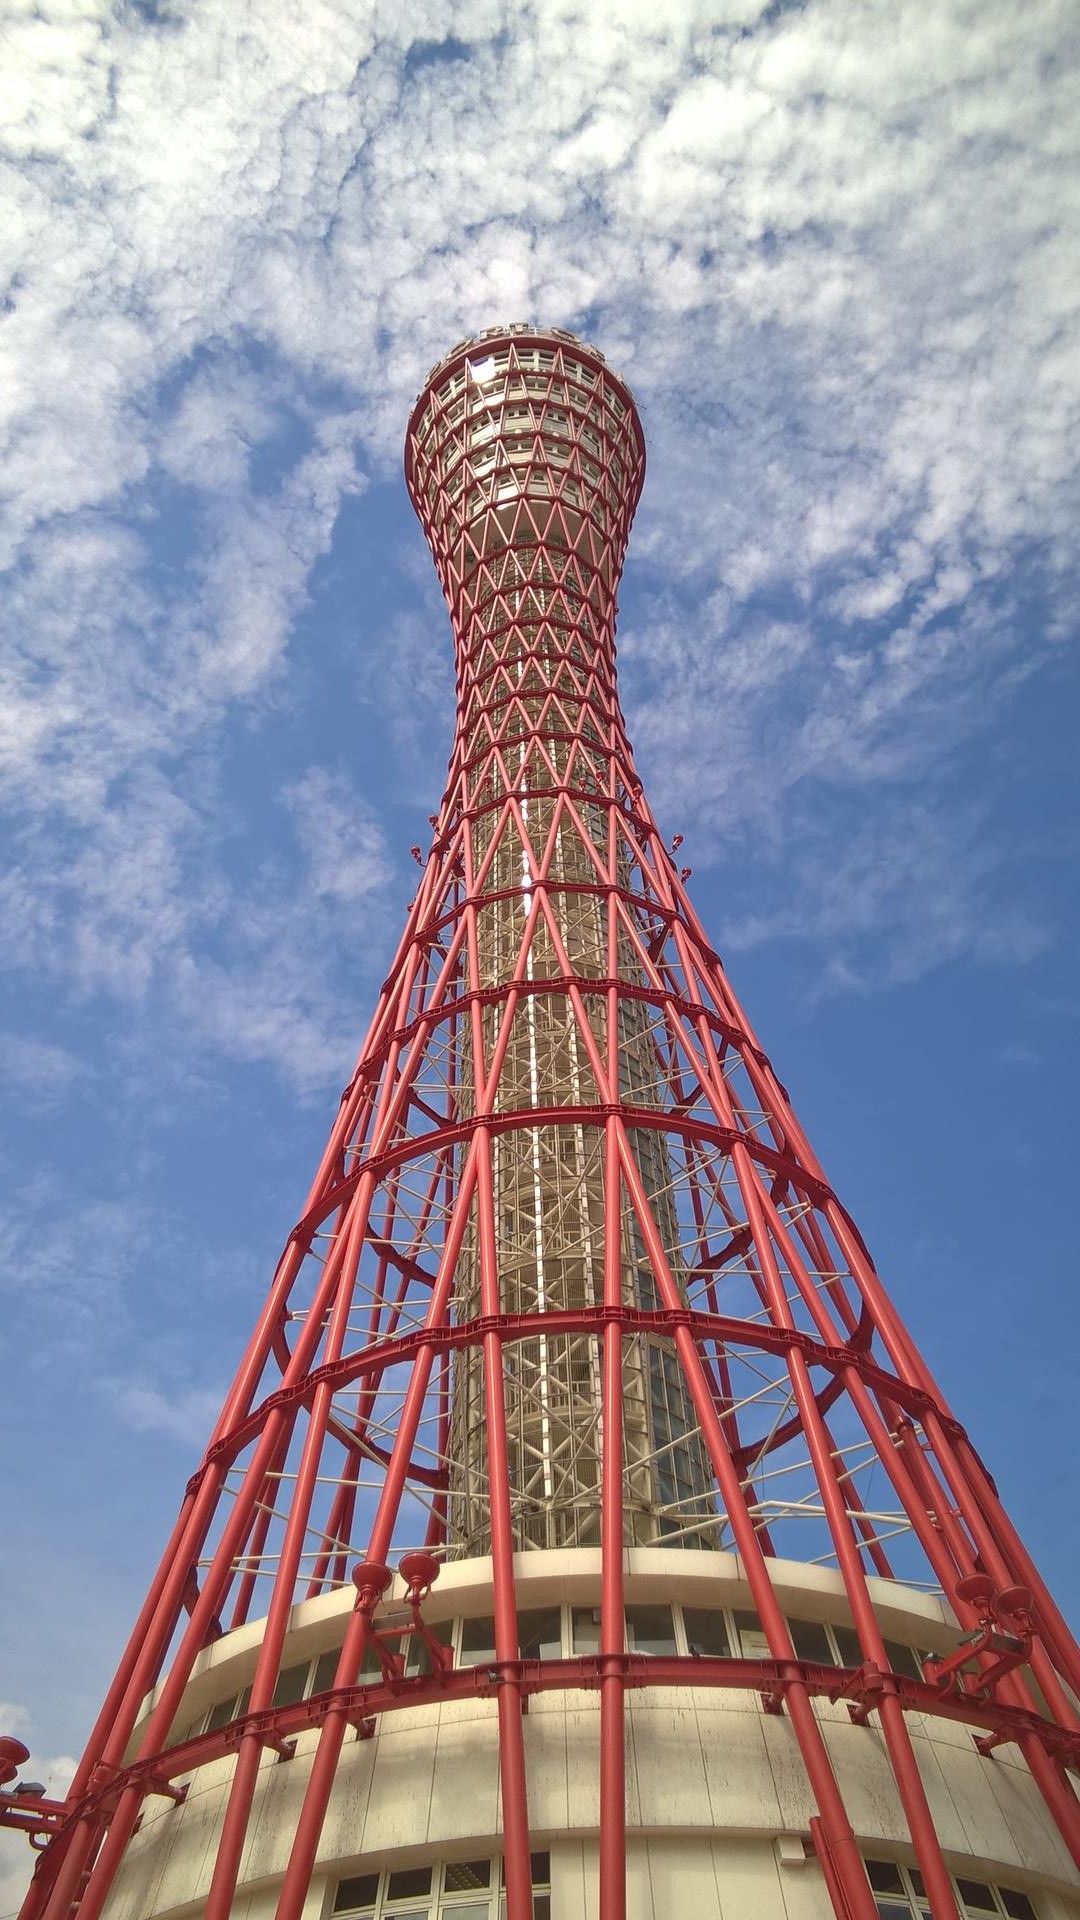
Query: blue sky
[[835, 254]]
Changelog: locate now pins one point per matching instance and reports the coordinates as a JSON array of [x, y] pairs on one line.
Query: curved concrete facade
[[718, 1808]]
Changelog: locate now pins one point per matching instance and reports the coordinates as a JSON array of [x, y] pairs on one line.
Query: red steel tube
[[835, 1822], [321, 1779], [517, 1865]]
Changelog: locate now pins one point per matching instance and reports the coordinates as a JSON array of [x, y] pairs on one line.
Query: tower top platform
[[520, 414], [524, 331]]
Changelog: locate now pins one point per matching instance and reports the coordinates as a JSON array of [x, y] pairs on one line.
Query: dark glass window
[[325, 1669], [903, 1660], [361, 1891], [847, 1640], [227, 1710], [650, 1629], [706, 1633], [477, 1641], [884, 1876], [220, 1715], [539, 1866], [811, 1642], [586, 1629], [407, 1882], [1016, 1904], [977, 1895], [290, 1685], [418, 1659], [753, 1644], [460, 1876], [540, 1634]]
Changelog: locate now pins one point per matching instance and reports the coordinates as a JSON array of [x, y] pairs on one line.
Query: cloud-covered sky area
[[835, 251]]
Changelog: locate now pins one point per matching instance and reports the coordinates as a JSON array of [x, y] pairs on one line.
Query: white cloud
[[343, 841], [38, 1073], [1016, 1053], [221, 416], [67, 1260], [843, 291], [186, 1414], [17, 1860], [857, 903], [416, 693]]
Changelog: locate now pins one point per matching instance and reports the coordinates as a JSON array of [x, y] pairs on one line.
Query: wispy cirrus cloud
[[38, 1073], [841, 290], [184, 1413]]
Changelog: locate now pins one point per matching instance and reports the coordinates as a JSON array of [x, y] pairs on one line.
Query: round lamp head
[[976, 1589], [1013, 1600], [419, 1571], [371, 1577]]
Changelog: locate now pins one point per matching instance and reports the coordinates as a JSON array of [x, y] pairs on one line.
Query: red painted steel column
[[901, 1755], [612, 1619], [251, 1752], [511, 1733], [305, 1845], [835, 1823], [612, 1616]]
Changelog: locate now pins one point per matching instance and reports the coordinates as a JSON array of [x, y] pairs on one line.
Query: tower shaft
[[529, 542]]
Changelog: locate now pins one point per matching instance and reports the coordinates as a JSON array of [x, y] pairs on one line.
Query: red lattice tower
[[569, 1281]]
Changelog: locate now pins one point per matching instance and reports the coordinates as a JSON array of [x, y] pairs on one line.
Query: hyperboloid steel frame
[[695, 1236]]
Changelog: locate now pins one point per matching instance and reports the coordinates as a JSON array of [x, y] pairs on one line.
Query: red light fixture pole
[[569, 1281]]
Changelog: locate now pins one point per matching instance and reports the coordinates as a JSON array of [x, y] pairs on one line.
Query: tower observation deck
[[583, 1533]]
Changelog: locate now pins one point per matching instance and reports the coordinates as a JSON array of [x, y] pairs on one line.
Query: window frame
[[442, 1903], [453, 1627], [918, 1905]]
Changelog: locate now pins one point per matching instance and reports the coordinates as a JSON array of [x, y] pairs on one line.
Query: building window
[[224, 1712], [291, 1684], [899, 1893], [416, 1649], [650, 1630], [706, 1633], [751, 1639], [904, 1660], [810, 1640], [848, 1646], [586, 1629], [478, 1642], [549, 1633], [359, 1896], [540, 1634], [326, 1668], [449, 1890]]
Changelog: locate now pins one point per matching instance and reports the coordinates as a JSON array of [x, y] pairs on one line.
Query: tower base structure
[[720, 1818]]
